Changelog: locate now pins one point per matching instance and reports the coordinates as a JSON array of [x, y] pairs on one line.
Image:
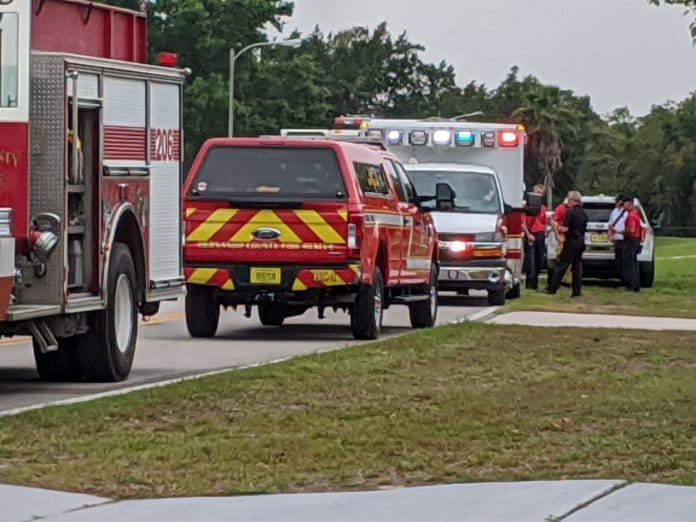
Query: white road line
[[675, 258]]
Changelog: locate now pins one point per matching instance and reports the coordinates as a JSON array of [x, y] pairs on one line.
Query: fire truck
[[480, 244], [90, 177]]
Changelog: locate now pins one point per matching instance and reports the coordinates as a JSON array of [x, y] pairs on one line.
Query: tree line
[[374, 72]]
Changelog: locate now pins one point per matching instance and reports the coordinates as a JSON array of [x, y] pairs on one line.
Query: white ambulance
[[481, 237]]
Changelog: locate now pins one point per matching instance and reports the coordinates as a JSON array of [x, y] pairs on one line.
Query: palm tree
[[549, 114]]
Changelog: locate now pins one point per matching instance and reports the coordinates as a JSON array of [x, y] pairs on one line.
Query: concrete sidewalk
[[555, 320], [574, 501]]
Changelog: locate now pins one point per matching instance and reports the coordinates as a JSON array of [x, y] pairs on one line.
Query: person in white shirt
[[617, 226]]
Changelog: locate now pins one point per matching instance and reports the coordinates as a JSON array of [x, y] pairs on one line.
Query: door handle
[[123, 191]]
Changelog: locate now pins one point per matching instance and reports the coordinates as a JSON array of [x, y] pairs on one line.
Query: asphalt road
[[165, 351]]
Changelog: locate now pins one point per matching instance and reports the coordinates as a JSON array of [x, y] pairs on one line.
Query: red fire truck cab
[[90, 176]]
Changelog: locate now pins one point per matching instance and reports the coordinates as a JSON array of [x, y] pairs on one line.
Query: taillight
[[356, 222], [501, 229]]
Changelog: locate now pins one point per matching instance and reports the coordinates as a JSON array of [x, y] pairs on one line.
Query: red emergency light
[[168, 59], [343, 122], [508, 139]]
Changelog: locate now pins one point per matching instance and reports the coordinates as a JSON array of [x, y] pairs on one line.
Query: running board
[[16, 313], [409, 299], [43, 336]]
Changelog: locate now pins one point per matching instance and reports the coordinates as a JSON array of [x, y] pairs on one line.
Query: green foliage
[[689, 4]]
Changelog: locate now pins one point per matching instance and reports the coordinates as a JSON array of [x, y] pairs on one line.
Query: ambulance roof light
[[394, 137], [418, 137], [442, 137], [343, 122], [465, 138], [168, 59], [488, 139], [508, 139]]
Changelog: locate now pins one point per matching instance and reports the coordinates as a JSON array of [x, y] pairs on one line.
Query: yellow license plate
[[325, 276], [599, 238], [265, 276]]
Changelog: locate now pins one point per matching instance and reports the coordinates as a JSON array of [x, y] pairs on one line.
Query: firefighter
[[573, 229], [534, 229], [631, 246]]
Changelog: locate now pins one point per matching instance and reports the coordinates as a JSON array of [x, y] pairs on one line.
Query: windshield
[[9, 59], [477, 193], [598, 212], [270, 173]]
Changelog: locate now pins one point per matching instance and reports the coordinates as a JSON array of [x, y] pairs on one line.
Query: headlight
[[457, 246], [5, 222]]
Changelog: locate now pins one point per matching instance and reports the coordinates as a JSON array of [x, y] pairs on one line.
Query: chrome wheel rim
[[123, 313], [433, 301], [378, 306]]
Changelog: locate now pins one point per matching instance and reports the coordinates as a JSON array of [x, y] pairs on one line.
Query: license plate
[[325, 276], [265, 276], [594, 237]]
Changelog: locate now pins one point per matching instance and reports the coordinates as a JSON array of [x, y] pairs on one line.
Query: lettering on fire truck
[[10, 159]]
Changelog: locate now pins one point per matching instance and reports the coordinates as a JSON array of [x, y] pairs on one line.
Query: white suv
[[598, 261]]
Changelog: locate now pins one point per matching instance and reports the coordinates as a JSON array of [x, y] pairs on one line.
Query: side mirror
[[445, 196]]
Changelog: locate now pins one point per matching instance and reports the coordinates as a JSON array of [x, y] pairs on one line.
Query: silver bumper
[[491, 275]]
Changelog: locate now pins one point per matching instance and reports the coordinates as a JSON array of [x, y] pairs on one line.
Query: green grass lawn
[[463, 403], [674, 293]]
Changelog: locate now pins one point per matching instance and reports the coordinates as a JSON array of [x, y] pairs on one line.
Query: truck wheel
[[106, 351], [60, 366], [272, 314], [368, 310], [202, 311], [423, 314], [647, 274], [515, 292], [497, 297]]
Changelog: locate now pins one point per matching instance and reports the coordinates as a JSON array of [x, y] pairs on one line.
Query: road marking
[[156, 320]]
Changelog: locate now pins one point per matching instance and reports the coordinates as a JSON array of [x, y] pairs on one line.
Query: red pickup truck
[[287, 225]]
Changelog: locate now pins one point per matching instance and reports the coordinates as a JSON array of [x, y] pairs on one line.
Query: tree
[[689, 4]]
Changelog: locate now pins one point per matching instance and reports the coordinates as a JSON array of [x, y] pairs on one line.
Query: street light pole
[[294, 43]]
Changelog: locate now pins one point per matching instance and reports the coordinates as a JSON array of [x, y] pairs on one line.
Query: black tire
[[107, 350], [497, 297], [514, 293], [647, 274], [60, 366], [423, 314], [365, 316], [202, 311], [272, 314]]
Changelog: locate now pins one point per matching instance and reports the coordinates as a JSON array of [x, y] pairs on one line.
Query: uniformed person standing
[[574, 229], [631, 246], [617, 225]]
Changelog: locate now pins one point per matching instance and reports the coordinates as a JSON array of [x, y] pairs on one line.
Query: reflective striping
[[514, 244], [343, 214], [212, 225], [202, 276], [328, 278], [229, 285], [299, 286], [355, 269], [190, 212], [265, 218], [419, 264], [320, 227]]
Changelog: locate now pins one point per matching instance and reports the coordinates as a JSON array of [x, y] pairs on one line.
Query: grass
[[674, 293], [457, 404]]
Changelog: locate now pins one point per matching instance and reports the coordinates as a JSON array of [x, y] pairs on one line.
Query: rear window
[[598, 212], [270, 173]]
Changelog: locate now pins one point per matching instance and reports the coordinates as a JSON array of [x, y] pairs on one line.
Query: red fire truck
[[90, 177]]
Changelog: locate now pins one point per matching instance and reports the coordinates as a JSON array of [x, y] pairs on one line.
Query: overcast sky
[[620, 52]]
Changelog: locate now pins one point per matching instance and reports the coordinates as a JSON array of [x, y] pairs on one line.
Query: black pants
[[570, 257], [629, 260], [618, 254], [534, 259]]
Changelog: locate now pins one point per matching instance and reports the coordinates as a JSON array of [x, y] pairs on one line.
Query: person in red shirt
[[535, 244], [631, 246], [558, 221]]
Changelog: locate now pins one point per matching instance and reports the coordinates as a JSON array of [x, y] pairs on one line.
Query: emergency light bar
[[350, 122]]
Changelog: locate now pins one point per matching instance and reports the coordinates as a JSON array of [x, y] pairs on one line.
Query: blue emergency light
[[465, 138]]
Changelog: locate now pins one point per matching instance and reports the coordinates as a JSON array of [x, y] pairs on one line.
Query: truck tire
[[423, 314], [60, 366], [647, 274], [202, 312], [107, 350], [368, 311], [272, 314], [497, 297]]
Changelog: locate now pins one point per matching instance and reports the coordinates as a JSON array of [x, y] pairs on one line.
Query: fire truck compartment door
[[165, 181]]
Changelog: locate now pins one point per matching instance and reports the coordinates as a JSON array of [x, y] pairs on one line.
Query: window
[[598, 212], [371, 179], [9, 59], [266, 173], [400, 190], [477, 193], [410, 190]]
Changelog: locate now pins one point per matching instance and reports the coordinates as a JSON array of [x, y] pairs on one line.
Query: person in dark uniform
[[633, 234], [574, 228]]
